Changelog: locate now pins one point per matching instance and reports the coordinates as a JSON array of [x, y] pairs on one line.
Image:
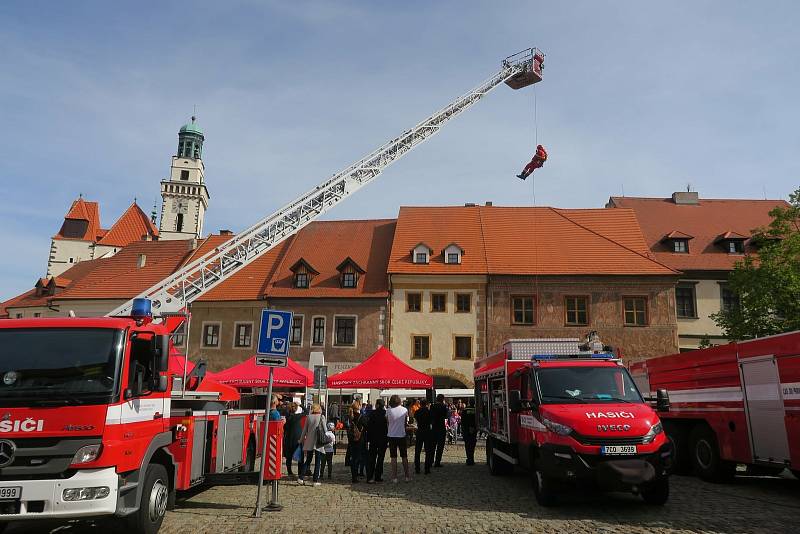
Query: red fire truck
[[733, 404], [570, 416], [92, 424]]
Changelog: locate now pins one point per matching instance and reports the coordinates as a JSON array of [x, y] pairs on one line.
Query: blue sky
[[643, 97]]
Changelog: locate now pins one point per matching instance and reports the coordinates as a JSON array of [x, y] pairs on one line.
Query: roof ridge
[[555, 210]]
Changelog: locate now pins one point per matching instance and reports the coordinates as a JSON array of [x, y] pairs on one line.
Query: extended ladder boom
[[172, 294]]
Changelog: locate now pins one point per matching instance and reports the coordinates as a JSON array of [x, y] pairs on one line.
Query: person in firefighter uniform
[[469, 430]]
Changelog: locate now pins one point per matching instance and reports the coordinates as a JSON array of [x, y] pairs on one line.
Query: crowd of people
[[310, 438]]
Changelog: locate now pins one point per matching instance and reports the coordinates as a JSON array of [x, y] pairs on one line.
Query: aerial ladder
[[173, 294]]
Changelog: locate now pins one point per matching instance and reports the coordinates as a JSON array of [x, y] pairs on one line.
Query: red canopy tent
[[249, 375], [382, 370]]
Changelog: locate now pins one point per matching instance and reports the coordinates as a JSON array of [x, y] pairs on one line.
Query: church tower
[[184, 194]]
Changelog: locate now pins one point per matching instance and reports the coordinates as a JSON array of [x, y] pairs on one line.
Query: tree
[[768, 284]]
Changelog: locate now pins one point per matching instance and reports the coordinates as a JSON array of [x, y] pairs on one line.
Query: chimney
[[225, 232], [141, 261], [686, 197], [469, 204], [488, 202]]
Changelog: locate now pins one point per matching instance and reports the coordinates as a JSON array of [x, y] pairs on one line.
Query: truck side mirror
[[515, 401], [160, 384], [161, 354], [662, 400]]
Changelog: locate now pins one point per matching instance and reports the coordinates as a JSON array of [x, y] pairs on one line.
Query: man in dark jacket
[[377, 429], [439, 416], [424, 437], [469, 429]]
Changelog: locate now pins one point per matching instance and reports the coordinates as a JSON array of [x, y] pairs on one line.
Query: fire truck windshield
[[58, 366], [586, 385]]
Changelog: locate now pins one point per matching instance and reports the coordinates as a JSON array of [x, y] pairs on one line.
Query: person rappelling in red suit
[[538, 160]]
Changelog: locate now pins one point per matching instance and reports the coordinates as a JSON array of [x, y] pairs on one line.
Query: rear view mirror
[[662, 400], [514, 400], [161, 354]]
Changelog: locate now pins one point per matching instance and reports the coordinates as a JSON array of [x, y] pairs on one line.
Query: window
[[184, 175], [345, 331], [348, 279], [211, 335], [244, 335], [296, 336], [179, 223], [463, 302], [37, 314], [522, 311], [179, 335], [680, 245], [730, 300], [301, 280], [413, 302], [452, 257], [318, 334], [462, 347], [421, 347], [635, 311], [577, 310], [685, 302], [735, 246], [19, 316], [438, 302], [421, 257]]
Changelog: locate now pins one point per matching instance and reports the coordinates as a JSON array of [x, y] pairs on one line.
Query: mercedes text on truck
[[570, 417], [90, 424], [732, 404]]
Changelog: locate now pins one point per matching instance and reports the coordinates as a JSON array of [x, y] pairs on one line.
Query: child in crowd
[[330, 448]]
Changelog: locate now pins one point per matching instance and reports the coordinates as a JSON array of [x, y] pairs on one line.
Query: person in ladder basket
[[538, 160]]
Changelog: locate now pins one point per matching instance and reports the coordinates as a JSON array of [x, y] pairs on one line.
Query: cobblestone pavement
[[458, 498]]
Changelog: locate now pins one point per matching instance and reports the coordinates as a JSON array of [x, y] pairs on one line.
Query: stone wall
[[606, 312]]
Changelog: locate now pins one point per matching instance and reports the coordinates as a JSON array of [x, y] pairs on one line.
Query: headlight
[[655, 430], [558, 428], [85, 494], [87, 454]]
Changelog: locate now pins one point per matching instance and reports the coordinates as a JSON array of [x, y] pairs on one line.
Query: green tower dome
[[190, 140]]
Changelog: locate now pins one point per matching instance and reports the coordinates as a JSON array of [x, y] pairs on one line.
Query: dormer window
[[303, 274], [349, 273], [732, 242], [421, 254], [677, 241], [452, 254]]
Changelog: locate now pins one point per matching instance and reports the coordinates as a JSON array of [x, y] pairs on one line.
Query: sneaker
[[521, 177], [317, 484], [370, 482], [408, 479], [394, 481], [300, 481]]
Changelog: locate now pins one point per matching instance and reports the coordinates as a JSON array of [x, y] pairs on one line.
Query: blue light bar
[[142, 308]]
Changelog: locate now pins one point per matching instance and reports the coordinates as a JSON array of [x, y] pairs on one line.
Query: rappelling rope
[[536, 302]]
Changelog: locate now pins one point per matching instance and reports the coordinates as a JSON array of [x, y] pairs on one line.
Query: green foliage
[[768, 284], [705, 343]]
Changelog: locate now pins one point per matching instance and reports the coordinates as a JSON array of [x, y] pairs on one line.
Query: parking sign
[[273, 337]]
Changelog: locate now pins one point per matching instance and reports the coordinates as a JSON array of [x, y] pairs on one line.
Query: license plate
[[13, 492], [617, 449]]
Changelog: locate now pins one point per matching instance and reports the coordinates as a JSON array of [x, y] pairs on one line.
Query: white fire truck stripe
[[138, 410], [728, 394], [791, 390]]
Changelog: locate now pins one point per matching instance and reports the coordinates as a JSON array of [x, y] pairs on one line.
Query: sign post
[[321, 380], [273, 350]]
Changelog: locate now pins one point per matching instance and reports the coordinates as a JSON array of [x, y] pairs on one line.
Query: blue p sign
[[273, 336]]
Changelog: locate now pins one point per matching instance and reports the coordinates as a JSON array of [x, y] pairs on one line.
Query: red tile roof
[[524, 241], [122, 278], [84, 211], [324, 245], [131, 226], [706, 221]]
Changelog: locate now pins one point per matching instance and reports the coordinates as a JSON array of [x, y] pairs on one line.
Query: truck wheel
[[706, 459], [681, 459], [153, 505], [543, 489], [656, 492], [497, 466]]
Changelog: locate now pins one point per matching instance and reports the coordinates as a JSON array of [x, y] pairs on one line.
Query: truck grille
[[586, 440], [40, 458]]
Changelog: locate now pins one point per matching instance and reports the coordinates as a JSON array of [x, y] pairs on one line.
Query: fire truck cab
[[570, 416], [93, 424]]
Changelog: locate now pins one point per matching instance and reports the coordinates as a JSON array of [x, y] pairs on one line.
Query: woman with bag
[[313, 441], [355, 440]]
